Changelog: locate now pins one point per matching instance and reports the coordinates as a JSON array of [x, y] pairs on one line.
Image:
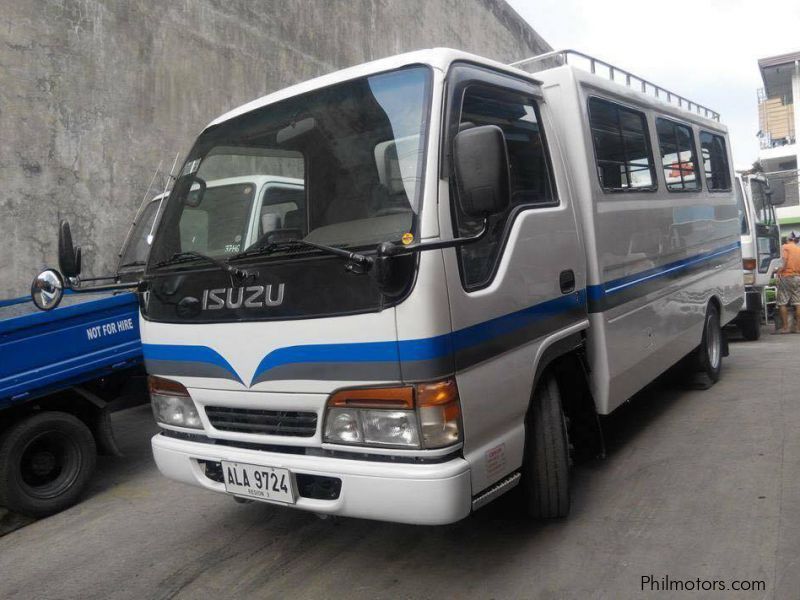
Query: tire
[[46, 461], [751, 327], [709, 355], [546, 470]]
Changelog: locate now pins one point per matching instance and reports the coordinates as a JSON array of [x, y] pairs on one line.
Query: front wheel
[[546, 468], [46, 461]]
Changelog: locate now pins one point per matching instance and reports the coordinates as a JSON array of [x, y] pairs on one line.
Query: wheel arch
[[77, 401], [565, 359]]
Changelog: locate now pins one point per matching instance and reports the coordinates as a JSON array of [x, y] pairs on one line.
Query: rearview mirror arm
[[390, 249], [74, 284]]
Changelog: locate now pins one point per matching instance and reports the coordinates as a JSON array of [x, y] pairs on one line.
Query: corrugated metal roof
[[780, 59]]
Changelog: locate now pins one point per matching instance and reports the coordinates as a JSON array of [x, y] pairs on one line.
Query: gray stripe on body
[[185, 368], [539, 328], [333, 371]]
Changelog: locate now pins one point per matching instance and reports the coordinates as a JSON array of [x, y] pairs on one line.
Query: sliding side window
[[678, 155], [715, 162], [621, 146], [531, 178]]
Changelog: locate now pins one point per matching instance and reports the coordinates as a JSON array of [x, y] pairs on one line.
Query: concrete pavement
[[697, 484]]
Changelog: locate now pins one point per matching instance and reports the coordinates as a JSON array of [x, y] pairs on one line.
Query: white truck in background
[[761, 247]]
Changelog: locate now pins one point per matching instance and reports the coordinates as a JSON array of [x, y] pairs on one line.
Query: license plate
[[261, 483]]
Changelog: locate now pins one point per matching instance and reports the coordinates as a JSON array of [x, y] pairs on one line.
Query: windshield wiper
[[356, 262], [191, 255], [133, 263]]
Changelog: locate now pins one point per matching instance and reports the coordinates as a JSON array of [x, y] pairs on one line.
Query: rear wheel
[[46, 461], [751, 326], [546, 468], [709, 355]]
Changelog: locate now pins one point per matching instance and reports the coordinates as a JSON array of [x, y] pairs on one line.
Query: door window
[[530, 173], [745, 229]]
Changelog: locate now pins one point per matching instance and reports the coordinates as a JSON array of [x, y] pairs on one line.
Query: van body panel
[[655, 258]]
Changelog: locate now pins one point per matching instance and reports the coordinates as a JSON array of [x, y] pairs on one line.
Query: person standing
[[789, 284]]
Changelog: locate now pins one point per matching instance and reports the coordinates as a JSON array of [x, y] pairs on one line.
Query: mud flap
[[104, 433], [725, 349]]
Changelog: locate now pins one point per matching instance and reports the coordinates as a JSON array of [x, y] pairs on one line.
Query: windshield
[[138, 245], [339, 166]]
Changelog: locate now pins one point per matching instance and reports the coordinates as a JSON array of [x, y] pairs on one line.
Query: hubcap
[[713, 343], [49, 464]]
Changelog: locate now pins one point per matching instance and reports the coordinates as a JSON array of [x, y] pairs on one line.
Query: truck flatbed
[[88, 336]]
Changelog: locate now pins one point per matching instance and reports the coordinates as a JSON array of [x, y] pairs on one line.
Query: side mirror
[[776, 196], [69, 256], [47, 290], [480, 161], [190, 190]]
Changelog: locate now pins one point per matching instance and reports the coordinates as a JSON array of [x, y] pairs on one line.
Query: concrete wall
[[94, 93]]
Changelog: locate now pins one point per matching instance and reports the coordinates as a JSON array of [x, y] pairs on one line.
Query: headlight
[[427, 415], [749, 278], [172, 404]]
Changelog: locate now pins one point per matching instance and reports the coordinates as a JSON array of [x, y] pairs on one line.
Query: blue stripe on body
[[423, 348], [598, 291], [432, 347]]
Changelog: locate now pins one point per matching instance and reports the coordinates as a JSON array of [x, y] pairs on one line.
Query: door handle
[[566, 281]]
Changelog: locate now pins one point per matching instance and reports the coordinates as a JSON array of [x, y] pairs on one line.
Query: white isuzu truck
[[761, 247], [467, 262]]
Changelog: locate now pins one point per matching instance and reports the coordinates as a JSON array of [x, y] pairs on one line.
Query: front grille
[[265, 422]]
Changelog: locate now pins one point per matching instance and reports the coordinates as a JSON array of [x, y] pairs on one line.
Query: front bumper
[[421, 494]]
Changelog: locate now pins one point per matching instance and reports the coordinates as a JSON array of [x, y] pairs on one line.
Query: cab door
[[522, 287]]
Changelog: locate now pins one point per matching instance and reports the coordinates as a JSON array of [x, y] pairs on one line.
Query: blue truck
[[62, 372]]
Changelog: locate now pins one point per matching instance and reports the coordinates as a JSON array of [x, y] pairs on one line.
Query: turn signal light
[[391, 397], [160, 385], [749, 264], [439, 413]]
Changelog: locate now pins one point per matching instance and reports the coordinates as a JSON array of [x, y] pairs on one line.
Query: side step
[[497, 490]]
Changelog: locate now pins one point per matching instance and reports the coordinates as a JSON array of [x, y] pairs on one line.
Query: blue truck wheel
[[46, 461]]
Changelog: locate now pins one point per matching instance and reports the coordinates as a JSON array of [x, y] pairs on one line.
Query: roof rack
[[617, 75]]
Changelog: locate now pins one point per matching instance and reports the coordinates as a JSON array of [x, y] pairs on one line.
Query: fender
[[557, 345]]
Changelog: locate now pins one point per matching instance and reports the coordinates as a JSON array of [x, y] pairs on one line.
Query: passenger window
[[531, 179], [715, 162], [678, 156], [621, 146]]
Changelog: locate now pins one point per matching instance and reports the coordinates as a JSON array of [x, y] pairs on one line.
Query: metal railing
[[766, 141], [621, 76]]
